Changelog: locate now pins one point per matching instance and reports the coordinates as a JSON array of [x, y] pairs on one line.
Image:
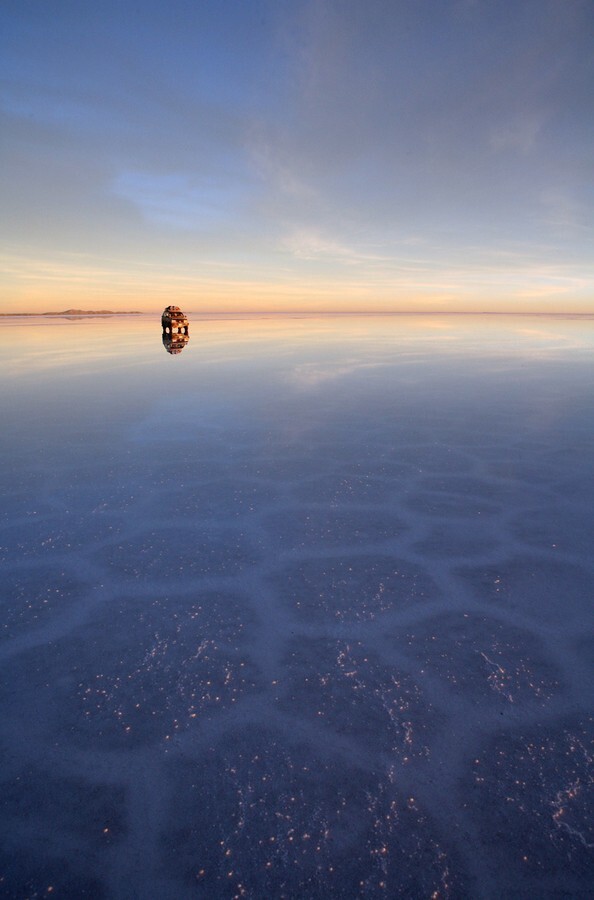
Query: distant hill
[[79, 312], [92, 312]]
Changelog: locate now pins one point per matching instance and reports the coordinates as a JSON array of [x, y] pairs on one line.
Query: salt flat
[[303, 611]]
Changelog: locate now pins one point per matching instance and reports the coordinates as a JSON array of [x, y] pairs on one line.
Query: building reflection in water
[[175, 329]]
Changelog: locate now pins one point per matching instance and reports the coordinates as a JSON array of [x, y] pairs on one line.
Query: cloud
[[310, 244], [562, 210], [327, 147], [518, 134], [274, 165]]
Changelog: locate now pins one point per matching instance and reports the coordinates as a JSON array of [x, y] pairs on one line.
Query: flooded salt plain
[[305, 611]]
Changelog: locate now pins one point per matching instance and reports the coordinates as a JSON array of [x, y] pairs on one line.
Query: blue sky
[[298, 155]]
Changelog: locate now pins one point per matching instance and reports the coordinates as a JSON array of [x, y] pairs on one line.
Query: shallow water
[[302, 611]]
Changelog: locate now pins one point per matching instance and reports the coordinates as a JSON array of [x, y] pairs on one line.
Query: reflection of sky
[[76, 384], [305, 350], [298, 155]]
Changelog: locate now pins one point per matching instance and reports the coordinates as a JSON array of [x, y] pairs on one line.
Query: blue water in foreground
[[304, 611]]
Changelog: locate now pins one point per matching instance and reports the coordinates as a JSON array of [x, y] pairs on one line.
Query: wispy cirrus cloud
[[311, 244], [519, 134]]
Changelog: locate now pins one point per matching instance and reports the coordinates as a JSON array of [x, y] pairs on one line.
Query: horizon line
[[307, 312]]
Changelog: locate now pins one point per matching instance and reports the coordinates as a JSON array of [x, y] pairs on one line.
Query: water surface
[[304, 610]]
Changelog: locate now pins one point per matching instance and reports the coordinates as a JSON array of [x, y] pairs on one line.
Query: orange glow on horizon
[[31, 285]]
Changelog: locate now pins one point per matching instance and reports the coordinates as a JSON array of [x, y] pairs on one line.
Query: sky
[[282, 155]]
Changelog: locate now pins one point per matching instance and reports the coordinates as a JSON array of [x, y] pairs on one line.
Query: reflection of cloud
[[545, 335], [310, 375]]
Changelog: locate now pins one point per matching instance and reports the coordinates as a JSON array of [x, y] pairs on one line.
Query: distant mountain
[[79, 312], [92, 312]]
